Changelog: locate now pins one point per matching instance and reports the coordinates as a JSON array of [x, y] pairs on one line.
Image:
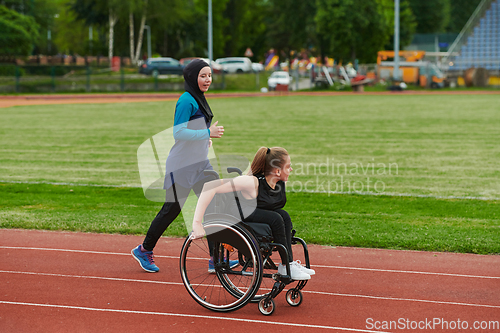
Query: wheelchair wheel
[[266, 306], [225, 289], [294, 297]]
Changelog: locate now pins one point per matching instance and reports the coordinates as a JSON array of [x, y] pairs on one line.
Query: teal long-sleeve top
[[187, 109], [188, 159]]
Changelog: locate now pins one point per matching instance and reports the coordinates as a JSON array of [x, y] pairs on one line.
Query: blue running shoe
[[211, 268], [145, 259]]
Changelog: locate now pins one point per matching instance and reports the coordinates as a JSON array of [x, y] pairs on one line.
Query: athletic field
[[392, 171]]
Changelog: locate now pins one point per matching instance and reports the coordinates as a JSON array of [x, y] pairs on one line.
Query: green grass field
[[416, 162]]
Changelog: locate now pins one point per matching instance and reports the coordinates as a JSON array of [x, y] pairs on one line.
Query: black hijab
[[191, 72]]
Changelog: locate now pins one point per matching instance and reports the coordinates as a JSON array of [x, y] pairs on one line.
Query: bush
[[47, 70], [10, 70]]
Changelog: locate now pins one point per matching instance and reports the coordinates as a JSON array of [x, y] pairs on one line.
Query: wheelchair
[[254, 279]]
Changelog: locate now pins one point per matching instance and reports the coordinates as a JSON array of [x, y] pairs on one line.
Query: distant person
[[187, 160]]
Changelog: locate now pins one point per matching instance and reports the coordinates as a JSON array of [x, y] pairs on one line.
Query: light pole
[[210, 34], [148, 28], [49, 41], [91, 35], [395, 73]]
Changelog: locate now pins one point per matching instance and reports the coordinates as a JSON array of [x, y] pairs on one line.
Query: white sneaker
[[296, 273], [304, 269]]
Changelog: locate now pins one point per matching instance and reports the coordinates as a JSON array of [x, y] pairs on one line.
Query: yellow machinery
[[413, 68]]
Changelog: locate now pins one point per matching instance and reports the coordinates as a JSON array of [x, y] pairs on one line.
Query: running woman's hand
[[216, 131]]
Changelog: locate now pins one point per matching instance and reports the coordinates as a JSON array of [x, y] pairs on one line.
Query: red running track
[[81, 282]]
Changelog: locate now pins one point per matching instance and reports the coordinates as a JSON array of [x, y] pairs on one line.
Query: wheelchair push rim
[[228, 288]]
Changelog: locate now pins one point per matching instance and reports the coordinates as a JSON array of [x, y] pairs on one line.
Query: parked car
[[257, 67], [164, 65], [235, 64], [186, 61], [279, 77], [216, 68]]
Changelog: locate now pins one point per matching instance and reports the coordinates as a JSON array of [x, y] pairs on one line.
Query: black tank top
[[269, 198]]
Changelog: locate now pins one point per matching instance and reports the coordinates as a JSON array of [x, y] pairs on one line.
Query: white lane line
[[409, 272], [303, 291], [74, 251], [92, 277], [403, 299], [184, 315], [315, 266]]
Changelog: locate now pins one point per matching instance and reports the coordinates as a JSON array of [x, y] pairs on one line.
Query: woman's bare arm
[[246, 184]]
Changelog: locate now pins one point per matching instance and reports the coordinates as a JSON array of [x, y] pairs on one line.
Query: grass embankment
[[429, 224]]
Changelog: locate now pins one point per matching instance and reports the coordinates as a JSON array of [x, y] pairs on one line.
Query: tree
[[125, 21], [351, 29], [254, 35], [71, 35], [94, 11], [142, 6], [292, 26], [432, 16], [113, 18], [42, 11], [245, 24], [407, 22], [18, 33], [184, 33], [187, 38], [461, 11], [23, 7]]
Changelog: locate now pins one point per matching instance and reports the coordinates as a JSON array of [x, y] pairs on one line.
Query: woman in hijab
[[187, 160]]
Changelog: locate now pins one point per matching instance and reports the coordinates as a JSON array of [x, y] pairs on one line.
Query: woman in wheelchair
[[264, 184]]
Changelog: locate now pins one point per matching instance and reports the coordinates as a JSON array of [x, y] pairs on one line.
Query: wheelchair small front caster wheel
[[266, 306], [294, 297]]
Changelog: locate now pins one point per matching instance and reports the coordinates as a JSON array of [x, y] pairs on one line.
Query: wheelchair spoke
[[221, 288]]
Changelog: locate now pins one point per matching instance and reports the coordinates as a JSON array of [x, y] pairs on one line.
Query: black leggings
[[281, 225], [175, 199]]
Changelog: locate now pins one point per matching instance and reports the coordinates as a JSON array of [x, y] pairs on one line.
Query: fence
[[45, 79], [64, 78]]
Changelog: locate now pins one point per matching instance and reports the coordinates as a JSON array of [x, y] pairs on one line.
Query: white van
[[235, 64]]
